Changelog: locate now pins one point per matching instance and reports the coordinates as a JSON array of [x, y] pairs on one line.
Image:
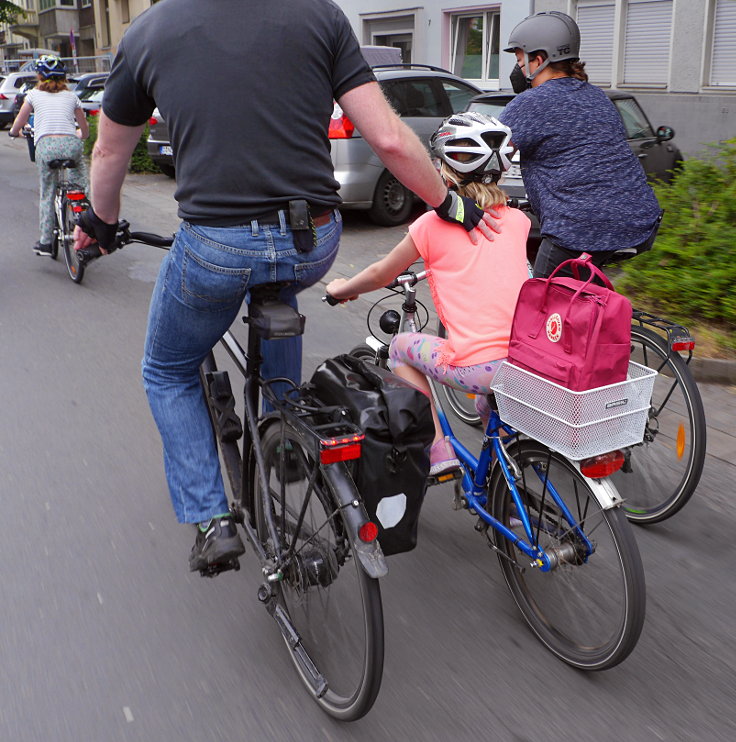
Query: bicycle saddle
[[270, 317], [57, 164]]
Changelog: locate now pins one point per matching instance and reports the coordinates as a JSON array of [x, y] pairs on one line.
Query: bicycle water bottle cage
[[57, 164], [272, 319]]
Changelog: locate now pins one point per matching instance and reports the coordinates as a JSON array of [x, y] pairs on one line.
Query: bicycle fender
[[370, 554], [604, 490]]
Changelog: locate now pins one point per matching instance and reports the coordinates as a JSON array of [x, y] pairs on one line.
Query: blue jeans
[[199, 291]]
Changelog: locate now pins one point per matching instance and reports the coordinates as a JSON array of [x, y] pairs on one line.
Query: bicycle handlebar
[[124, 237], [410, 278]]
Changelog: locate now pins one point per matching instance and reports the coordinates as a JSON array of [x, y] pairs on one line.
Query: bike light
[[77, 209], [683, 344], [152, 121], [95, 112], [341, 127], [368, 532], [75, 195], [601, 466], [346, 448]]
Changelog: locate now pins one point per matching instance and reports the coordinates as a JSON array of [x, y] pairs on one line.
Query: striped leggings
[[56, 148]]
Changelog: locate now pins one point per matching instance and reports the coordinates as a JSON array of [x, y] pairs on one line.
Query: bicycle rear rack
[[679, 338]]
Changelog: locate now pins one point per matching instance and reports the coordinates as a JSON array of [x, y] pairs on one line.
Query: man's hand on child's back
[[462, 210]]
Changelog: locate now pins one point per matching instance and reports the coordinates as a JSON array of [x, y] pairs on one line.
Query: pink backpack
[[572, 332]]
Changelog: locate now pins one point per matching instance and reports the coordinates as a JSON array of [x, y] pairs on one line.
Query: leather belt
[[318, 219]]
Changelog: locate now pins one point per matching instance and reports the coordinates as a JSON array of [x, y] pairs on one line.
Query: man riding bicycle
[[256, 193]]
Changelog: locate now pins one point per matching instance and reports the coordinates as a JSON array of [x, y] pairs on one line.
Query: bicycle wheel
[[56, 238], [66, 238], [667, 466], [364, 352], [461, 403], [332, 603], [589, 611]]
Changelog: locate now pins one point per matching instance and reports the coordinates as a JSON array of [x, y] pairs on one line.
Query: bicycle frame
[[477, 471]]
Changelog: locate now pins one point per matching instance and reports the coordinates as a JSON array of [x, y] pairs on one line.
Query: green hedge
[[690, 273], [140, 162]]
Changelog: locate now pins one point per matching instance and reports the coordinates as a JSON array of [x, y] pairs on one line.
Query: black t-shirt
[[247, 91]]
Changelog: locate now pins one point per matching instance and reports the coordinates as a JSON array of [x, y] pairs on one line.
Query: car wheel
[[392, 203], [167, 170]]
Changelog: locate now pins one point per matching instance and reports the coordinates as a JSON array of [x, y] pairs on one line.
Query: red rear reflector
[[368, 532], [341, 127], [152, 121], [2, 97], [601, 466], [93, 113], [344, 448], [75, 195], [688, 344], [77, 209]]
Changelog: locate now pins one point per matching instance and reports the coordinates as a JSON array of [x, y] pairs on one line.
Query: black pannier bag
[[391, 473]]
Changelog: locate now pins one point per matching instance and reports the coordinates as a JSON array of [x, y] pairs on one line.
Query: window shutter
[[723, 64], [596, 21], [647, 38]]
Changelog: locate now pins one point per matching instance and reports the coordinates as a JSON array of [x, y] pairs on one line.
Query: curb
[[714, 370]]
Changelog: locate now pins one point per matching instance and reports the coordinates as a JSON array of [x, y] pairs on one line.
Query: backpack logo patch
[[554, 328]]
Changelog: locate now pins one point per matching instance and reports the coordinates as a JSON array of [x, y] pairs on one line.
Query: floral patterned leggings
[[421, 351], [53, 148]]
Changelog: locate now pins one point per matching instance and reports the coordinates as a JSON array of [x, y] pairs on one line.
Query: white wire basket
[[576, 424]]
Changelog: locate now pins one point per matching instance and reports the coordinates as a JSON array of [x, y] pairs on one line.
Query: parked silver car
[[10, 85], [423, 96]]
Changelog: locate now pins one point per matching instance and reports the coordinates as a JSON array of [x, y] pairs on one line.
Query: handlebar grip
[[87, 254], [330, 300], [149, 238]]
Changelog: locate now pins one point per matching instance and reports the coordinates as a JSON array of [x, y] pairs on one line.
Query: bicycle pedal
[[215, 569], [444, 478]]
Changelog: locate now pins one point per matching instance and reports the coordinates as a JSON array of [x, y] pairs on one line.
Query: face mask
[[519, 83]]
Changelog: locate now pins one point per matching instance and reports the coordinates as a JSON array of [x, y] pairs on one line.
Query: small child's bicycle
[[566, 549]]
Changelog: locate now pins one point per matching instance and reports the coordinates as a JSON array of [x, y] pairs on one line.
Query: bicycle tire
[[666, 468], [589, 613], [56, 238], [74, 268], [364, 352], [344, 607], [461, 403]]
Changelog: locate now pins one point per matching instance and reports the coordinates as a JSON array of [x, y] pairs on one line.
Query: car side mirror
[[665, 133]]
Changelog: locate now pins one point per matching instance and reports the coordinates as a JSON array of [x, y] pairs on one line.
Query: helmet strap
[[542, 66]]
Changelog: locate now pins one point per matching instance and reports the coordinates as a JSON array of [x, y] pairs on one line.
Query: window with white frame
[[596, 19], [48, 4], [474, 44], [647, 38], [723, 44], [626, 42]]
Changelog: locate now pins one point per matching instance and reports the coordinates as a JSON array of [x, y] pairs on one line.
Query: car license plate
[[165, 149]]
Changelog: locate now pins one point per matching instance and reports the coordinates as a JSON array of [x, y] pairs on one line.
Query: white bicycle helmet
[[474, 145]]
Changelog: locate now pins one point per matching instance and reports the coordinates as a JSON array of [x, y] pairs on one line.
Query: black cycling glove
[[102, 232], [460, 210]]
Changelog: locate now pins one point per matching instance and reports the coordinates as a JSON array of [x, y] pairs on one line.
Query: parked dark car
[[88, 81], [158, 144]]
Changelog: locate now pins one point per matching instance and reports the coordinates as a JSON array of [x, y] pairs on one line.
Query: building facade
[[677, 56], [464, 38]]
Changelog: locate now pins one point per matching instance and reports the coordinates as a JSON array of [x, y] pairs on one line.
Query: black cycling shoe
[[41, 249], [218, 544]]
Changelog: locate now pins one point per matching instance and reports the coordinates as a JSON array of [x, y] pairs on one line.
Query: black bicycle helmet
[[50, 66], [476, 146], [554, 33]]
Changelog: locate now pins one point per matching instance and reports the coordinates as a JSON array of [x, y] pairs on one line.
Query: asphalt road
[[105, 636]]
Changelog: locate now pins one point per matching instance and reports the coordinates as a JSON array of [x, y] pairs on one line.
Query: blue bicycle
[[565, 547]]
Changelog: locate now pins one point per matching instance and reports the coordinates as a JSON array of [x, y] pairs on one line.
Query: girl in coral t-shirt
[[474, 287]]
